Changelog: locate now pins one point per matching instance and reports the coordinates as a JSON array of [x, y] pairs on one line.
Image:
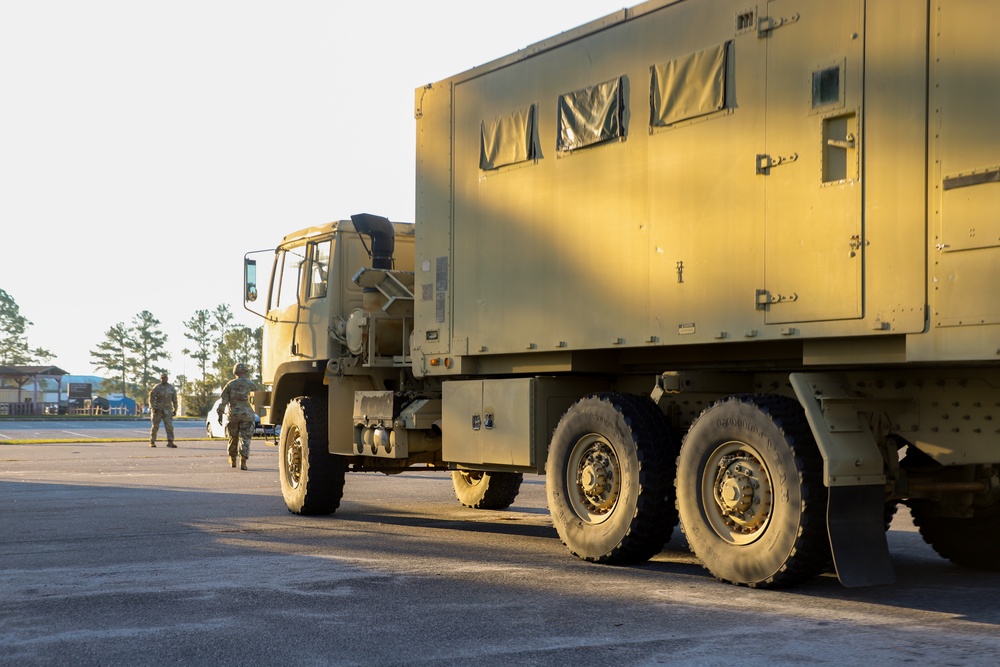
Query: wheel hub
[[735, 495], [593, 474], [594, 480], [742, 493], [293, 460]]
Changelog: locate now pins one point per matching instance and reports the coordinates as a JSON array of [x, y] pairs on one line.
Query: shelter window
[[688, 87], [319, 270], [592, 115], [826, 87], [509, 139]]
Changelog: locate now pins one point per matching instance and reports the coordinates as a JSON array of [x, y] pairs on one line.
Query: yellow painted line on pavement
[[70, 441]]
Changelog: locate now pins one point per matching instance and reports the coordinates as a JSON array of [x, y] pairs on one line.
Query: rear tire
[[609, 479], [312, 479], [486, 490], [972, 542], [750, 492]]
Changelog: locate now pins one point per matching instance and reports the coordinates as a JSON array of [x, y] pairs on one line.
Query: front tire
[[750, 492], [486, 490], [609, 479], [312, 479]]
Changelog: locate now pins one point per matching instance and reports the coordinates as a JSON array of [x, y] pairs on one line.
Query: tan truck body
[[691, 200]]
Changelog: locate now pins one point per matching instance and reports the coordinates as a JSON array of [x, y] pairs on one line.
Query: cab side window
[[319, 270]]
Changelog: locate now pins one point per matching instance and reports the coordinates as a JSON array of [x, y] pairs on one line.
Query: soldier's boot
[[152, 444], [171, 444], [243, 463], [232, 461]]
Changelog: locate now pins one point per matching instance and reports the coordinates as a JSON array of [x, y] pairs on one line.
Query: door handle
[[847, 143]]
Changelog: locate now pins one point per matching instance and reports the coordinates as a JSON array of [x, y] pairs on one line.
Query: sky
[[146, 146]]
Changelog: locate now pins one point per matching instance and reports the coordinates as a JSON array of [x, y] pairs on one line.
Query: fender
[[853, 471]]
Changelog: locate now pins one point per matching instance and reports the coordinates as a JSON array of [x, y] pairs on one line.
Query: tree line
[[133, 353]]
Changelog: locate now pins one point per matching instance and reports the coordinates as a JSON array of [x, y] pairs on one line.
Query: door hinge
[[765, 162], [763, 299], [765, 24]]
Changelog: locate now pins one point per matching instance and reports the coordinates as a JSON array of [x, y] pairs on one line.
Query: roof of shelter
[[31, 371]]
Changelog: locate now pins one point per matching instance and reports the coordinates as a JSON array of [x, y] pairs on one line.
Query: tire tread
[[655, 515], [324, 479], [499, 490], [810, 552]]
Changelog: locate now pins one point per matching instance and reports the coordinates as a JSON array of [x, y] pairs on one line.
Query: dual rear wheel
[[749, 491]]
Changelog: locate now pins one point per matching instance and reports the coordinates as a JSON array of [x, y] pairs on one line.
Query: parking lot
[[115, 553]]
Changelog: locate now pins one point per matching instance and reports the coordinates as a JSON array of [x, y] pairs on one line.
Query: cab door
[[812, 161], [299, 304], [285, 304]]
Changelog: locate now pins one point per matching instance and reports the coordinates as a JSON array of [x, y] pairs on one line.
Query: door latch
[[855, 244], [764, 299], [765, 24], [765, 162]]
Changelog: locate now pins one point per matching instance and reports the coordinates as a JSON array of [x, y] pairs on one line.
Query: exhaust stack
[[383, 237]]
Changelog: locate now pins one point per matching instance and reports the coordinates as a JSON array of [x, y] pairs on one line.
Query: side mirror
[[249, 280]]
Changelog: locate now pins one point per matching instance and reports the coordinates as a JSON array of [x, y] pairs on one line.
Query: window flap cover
[[508, 139], [688, 87], [591, 115]]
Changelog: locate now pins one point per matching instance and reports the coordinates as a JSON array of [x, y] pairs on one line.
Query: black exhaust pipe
[[382, 234]]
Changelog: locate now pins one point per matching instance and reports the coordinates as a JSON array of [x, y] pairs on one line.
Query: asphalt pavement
[[112, 553], [83, 430]]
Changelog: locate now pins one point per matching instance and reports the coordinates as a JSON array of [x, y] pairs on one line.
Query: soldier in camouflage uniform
[[162, 406], [241, 416]]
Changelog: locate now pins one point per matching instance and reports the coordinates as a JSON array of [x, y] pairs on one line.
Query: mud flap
[[856, 524]]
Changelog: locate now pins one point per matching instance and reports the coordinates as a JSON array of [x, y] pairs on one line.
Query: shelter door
[[812, 161]]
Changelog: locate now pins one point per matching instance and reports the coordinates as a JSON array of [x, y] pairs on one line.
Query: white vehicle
[[213, 429]]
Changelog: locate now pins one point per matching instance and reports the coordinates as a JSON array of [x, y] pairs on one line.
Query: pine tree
[[14, 349], [200, 331], [243, 344], [222, 325], [217, 345], [150, 345], [131, 353], [115, 355]]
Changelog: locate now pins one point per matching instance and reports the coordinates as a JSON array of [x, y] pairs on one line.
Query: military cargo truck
[[726, 263]]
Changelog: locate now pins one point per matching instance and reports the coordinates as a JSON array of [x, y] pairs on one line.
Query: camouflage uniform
[[162, 406], [241, 415]]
